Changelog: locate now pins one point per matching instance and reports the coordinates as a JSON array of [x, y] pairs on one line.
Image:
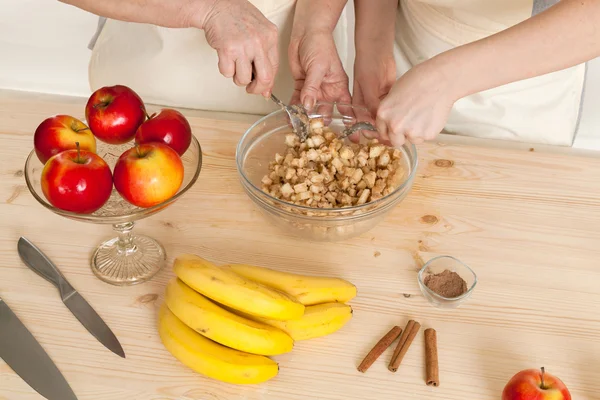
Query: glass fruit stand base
[[128, 258]]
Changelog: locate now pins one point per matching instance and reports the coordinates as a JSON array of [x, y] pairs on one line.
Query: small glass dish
[[439, 264]]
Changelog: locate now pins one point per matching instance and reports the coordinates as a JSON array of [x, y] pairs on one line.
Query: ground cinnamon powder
[[446, 284]]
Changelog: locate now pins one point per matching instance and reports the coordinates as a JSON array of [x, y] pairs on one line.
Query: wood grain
[[526, 221]]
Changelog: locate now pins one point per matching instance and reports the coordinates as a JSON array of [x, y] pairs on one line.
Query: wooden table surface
[[528, 223]]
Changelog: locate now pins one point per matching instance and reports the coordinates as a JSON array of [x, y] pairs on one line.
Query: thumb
[[312, 86]]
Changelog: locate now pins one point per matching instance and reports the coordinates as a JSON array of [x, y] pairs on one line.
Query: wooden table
[[528, 222]]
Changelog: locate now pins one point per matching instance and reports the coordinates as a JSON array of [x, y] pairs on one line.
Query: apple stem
[[81, 130], [101, 104], [543, 371], [145, 112], [76, 128], [137, 149], [78, 152]]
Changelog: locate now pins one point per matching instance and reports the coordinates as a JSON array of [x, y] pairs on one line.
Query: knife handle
[[37, 261]]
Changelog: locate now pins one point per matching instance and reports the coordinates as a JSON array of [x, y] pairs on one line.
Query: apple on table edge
[[534, 384], [168, 126], [148, 174], [77, 180], [61, 132], [114, 113]]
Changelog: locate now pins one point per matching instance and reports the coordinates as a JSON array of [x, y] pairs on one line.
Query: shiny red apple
[[76, 180], [148, 174], [534, 384], [167, 126], [114, 113], [61, 132]]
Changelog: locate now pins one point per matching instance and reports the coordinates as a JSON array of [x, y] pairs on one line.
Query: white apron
[[177, 67], [543, 109]]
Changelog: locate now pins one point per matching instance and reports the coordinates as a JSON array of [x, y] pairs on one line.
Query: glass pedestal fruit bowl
[[128, 258]]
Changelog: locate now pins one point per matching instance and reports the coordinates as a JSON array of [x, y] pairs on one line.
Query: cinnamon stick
[[379, 348], [401, 342], [432, 371], [412, 327]]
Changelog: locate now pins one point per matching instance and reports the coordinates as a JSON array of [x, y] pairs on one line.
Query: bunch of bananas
[[223, 321]]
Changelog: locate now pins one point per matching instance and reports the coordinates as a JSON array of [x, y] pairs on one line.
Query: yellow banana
[[226, 287], [231, 330], [318, 320], [308, 290], [210, 358]]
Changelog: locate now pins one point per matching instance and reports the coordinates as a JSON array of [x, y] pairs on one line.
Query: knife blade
[[36, 260], [24, 354]]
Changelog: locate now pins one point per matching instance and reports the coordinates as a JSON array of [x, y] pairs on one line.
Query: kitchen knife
[[38, 262], [25, 355]]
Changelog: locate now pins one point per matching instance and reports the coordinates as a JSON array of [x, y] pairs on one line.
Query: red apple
[[533, 384], [148, 174], [114, 113], [168, 126], [77, 180], [59, 133]]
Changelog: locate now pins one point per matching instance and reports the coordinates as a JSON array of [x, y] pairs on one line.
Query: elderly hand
[[243, 38], [317, 70], [417, 107]]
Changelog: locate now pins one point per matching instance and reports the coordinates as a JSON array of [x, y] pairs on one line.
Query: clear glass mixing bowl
[[257, 148]]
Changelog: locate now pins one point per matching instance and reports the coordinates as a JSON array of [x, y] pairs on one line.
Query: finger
[[312, 86], [364, 113], [358, 111], [262, 80], [273, 56], [367, 98], [294, 60], [371, 101], [298, 84], [344, 106], [336, 91], [399, 133], [357, 95], [414, 136], [385, 138], [325, 110], [382, 130], [226, 65], [381, 123], [397, 140], [243, 72], [295, 99], [343, 93]]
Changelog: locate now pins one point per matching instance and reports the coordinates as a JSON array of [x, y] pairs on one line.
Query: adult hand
[[245, 40], [374, 75], [417, 107], [317, 70]]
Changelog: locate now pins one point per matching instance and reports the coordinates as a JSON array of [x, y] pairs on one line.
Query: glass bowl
[[439, 264], [257, 148], [128, 258]]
